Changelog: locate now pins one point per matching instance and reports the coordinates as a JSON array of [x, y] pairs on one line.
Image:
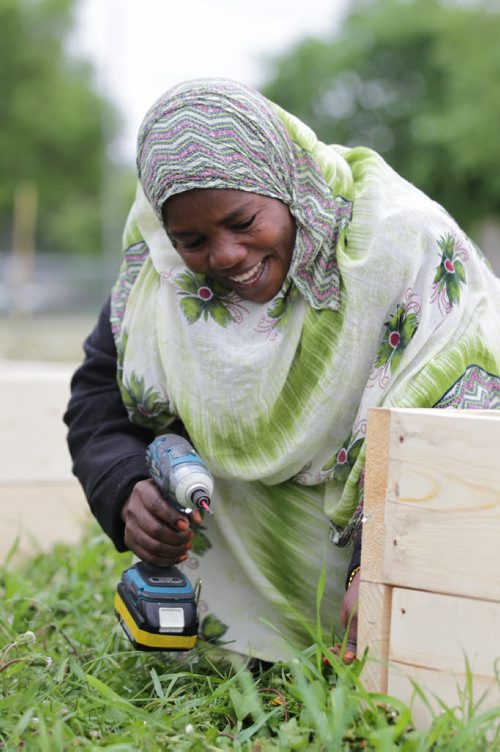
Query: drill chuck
[[190, 483]]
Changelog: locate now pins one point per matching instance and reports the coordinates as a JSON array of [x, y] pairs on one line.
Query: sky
[[142, 47]]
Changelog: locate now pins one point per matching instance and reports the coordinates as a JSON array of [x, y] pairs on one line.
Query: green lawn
[[69, 680]]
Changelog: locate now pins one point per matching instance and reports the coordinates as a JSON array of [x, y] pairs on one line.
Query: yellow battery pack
[[157, 608]]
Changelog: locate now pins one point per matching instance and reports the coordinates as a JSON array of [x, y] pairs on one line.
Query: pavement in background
[[44, 337]]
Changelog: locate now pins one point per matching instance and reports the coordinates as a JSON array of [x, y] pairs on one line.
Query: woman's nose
[[226, 253]]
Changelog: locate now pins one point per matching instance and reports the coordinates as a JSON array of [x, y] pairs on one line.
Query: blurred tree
[[418, 81], [53, 126]]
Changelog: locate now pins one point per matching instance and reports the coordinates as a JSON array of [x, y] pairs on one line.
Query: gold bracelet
[[352, 576]]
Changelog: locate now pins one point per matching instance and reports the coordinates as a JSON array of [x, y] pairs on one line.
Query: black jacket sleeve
[[108, 451]]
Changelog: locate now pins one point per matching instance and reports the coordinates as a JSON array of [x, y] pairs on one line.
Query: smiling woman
[[273, 289], [243, 240]]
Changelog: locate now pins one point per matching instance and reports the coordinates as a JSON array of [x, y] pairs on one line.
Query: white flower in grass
[[189, 729]]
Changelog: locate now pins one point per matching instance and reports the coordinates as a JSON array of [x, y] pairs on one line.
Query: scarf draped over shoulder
[[386, 303]]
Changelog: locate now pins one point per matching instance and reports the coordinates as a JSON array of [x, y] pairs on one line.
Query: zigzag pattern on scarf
[[475, 389], [207, 153], [133, 261]]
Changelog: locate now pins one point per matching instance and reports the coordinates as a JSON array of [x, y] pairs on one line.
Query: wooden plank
[[376, 478], [374, 599], [41, 514], [432, 412], [33, 398], [374, 617], [439, 631], [443, 502], [439, 686]]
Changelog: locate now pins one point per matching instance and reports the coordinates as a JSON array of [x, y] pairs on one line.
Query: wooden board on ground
[[430, 570], [40, 500]]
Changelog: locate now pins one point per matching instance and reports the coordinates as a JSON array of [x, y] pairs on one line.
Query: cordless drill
[[157, 606]]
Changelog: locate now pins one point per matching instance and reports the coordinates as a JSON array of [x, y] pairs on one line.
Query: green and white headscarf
[[387, 302]]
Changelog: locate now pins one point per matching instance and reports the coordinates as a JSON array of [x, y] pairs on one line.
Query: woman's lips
[[249, 277]]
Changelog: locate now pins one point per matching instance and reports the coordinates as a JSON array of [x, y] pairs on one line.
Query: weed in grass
[[69, 680]]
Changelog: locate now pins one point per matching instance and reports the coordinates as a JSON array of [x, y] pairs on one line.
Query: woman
[[273, 289]]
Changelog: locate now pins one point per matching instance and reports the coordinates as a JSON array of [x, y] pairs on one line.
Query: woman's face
[[243, 240]]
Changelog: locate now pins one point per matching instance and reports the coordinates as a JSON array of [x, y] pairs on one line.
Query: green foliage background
[[418, 81], [54, 126]]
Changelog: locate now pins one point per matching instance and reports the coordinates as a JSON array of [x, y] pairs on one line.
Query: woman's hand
[[154, 530], [349, 618]]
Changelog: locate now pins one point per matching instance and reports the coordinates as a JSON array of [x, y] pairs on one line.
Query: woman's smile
[[244, 240], [250, 277]]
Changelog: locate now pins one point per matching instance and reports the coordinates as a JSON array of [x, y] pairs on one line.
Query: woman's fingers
[[159, 540], [152, 500], [351, 645], [347, 655], [195, 517], [349, 617], [154, 553], [146, 497], [348, 652], [154, 530]]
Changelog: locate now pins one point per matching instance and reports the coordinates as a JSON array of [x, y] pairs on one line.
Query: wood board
[[430, 569], [41, 502]]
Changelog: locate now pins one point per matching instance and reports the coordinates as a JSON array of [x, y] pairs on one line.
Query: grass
[[69, 680]]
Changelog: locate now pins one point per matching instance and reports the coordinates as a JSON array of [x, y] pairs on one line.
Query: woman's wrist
[[351, 577]]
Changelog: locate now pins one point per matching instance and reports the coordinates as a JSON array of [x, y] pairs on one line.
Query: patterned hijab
[[215, 133]]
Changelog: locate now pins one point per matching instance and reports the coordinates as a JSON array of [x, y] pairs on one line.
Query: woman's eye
[[193, 245], [243, 225]]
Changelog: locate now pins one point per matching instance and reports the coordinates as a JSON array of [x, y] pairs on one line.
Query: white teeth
[[251, 274]]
